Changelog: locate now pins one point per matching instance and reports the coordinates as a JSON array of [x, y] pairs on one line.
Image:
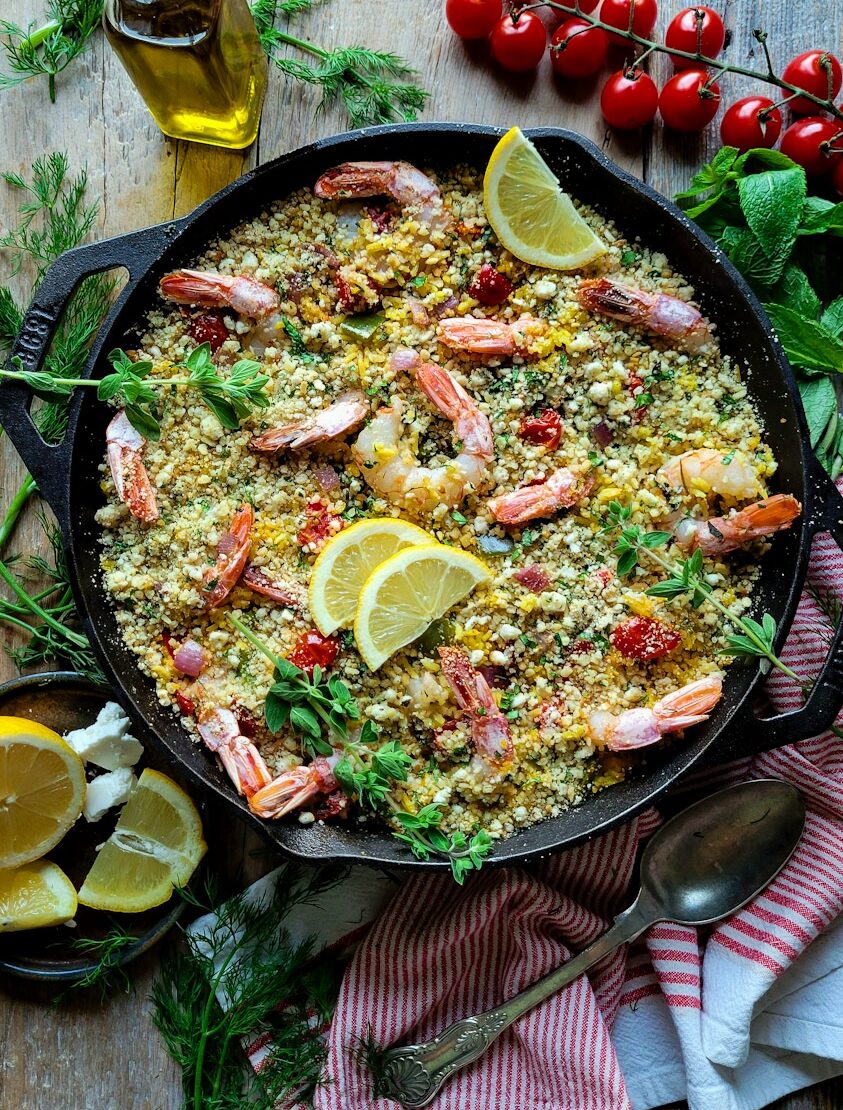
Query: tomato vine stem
[[770, 77]]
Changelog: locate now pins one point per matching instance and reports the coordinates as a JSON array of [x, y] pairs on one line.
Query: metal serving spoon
[[701, 866]]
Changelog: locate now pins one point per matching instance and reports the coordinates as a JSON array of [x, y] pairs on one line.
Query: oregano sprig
[[686, 578], [366, 769]]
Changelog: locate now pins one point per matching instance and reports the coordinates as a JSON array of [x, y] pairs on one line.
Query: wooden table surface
[[101, 1056]]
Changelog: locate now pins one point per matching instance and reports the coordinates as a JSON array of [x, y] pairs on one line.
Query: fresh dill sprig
[[245, 954], [53, 218], [44, 51], [297, 343], [370, 83], [108, 973], [369, 774], [130, 386], [750, 640]]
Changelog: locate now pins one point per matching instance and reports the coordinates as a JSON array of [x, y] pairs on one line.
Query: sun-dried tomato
[[380, 217], [187, 706], [319, 526], [246, 722], [544, 430], [208, 328], [645, 639], [312, 649], [490, 286]]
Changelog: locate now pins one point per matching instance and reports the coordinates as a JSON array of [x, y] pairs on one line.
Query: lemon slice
[[409, 591], [156, 845], [42, 788], [34, 896], [528, 211], [347, 560]]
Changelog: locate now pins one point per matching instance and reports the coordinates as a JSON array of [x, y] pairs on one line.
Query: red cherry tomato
[[544, 430], [837, 177], [490, 286], [644, 639], [814, 143], [518, 42], [472, 19], [577, 49], [187, 706], [810, 71], [616, 14], [697, 30], [629, 99], [688, 102], [312, 649], [586, 6], [753, 121], [208, 328], [319, 526]]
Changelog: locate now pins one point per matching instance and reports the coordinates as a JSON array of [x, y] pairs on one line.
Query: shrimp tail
[[124, 445]]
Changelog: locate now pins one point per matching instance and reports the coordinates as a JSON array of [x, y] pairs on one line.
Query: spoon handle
[[413, 1074]]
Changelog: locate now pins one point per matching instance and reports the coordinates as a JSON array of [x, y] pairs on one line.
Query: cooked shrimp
[[345, 415], [220, 731], [635, 728], [490, 729], [720, 534], [658, 313], [291, 789], [559, 490], [125, 447], [261, 583], [399, 180], [204, 287], [727, 473], [491, 337], [389, 464], [232, 555]]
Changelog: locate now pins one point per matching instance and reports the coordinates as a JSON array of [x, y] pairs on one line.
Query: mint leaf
[[807, 342], [832, 318], [820, 216], [713, 175], [794, 290], [745, 251], [819, 399], [772, 204]]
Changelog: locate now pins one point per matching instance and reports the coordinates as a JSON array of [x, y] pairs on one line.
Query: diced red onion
[[326, 477], [418, 312], [602, 433], [189, 659], [533, 578], [446, 305], [403, 359], [491, 673]]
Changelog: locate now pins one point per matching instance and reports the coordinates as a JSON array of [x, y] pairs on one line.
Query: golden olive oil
[[198, 64]]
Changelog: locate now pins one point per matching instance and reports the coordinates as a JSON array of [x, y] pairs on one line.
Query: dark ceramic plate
[[62, 701]]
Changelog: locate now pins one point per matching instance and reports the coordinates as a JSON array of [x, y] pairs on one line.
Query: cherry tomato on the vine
[[616, 14], [629, 99], [697, 30], [689, 101], [586, 6], [814, 143], [810, 71], [518, 42], [577, 49], [472, 19], [753, 121]]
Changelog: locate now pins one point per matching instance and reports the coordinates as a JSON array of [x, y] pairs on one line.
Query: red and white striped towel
[[728, 1020]]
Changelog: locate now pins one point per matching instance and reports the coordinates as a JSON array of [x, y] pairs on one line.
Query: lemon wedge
[[347, 560], [42, 789], [35, 896], [409, 591], [156, 845], [530, 214]]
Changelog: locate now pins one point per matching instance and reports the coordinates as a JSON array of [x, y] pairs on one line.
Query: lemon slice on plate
[[156, 845], [529, 212], [409, 591], [347, 560], [34, 896], [42, 788]]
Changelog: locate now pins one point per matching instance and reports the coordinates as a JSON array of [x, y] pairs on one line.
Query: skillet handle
[[49, 463], [753, 735]]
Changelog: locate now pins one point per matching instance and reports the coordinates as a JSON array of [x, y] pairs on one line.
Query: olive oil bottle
[[198, 64]]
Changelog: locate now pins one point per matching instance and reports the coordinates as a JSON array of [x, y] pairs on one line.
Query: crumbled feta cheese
[[509, 632], [600, 392], [544, 289], [106, 791], [107, 742]]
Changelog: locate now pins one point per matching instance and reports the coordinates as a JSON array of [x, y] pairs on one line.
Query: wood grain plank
[[103, 1056]]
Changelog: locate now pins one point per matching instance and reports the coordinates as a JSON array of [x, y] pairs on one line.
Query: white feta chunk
[[107, 742], [106, 791]]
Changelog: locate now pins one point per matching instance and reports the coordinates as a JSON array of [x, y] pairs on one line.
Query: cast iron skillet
[[68, 477]]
